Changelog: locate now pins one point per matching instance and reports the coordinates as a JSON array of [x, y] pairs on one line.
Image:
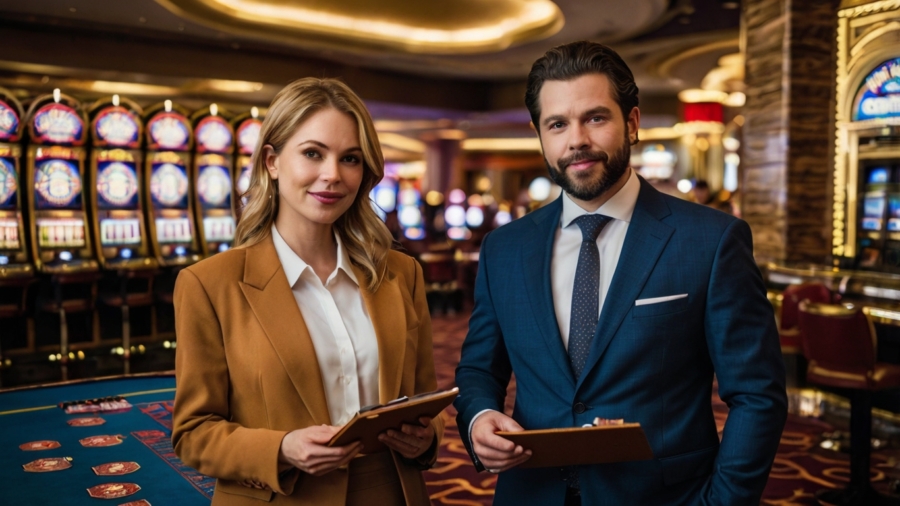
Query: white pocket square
[[657, 300]]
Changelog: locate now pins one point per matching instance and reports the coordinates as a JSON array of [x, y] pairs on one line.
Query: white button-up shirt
[[567, 246], [340, 329]]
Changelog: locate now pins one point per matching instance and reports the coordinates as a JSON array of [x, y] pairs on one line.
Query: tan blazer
[[247, 374]]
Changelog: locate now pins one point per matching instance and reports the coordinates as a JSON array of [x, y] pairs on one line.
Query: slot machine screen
[[9, 122], [117, 127], [243, 182], [894, 213], [214, 187], [57, 185], [169, 186], [873, 211], [8, 185], [60, 232], [120, 232], [877, 175], [173, 230], [9, 234], [168, 131], [117, 186], [213, 135], [218, 228]]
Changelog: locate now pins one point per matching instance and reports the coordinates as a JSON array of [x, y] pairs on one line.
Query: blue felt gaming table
[[32, 415]]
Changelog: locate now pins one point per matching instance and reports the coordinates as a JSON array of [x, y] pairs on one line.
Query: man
[[681, 299]]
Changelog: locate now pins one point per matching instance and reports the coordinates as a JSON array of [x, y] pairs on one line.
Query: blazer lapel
[[390, 331], [646, 238], [536, 258], [267, 291]]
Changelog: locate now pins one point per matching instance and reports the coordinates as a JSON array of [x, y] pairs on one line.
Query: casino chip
[[48, 465]]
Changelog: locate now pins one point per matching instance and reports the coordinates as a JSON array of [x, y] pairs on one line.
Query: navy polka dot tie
[[586, 292]]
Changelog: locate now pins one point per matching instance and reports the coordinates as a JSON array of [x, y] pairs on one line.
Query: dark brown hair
[[573, 60]]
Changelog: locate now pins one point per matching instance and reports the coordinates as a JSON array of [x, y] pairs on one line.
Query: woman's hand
[[411, 441], [306, 450]]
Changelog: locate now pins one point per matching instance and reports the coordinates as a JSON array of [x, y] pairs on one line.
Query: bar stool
[[125, 300], [15, 307], [840, 344], [63, 305], [441, 288]]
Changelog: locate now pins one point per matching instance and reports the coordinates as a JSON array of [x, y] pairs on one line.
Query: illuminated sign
[[879, 95]]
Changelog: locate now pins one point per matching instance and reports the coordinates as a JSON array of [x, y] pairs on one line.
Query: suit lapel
[[536, 258], [646, 238], [267, 291], [390, 331]]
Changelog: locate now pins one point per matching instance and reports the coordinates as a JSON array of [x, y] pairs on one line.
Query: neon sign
[[879, 95]]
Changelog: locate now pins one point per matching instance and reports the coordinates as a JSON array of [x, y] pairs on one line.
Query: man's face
[[586, 141]]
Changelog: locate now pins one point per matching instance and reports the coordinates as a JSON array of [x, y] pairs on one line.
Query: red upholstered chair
[[841, 346], [789, 315]]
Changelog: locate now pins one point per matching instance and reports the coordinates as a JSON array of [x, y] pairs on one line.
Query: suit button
[[579, 407]]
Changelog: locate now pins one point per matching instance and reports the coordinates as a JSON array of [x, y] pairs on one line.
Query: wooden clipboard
[[582, 445], [366, 425]]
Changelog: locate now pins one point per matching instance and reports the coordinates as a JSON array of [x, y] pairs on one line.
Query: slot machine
[[213, 181], [14, 262], [167, 186], [117, 202], [56, 181], [246, 128]]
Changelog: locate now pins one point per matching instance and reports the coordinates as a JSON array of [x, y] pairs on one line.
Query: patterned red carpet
[[801, 466]]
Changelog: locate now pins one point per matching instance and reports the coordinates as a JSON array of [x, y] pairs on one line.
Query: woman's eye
[[351, 159], [311, 154]]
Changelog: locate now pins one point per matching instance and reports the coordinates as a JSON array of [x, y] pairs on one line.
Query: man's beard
[[591, 186]]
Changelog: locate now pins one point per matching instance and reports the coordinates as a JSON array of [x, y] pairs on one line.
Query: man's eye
[[597, 119], [558, 124]]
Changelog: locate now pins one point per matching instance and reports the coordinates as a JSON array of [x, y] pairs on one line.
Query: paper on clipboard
[[366, 425], [582, 445]]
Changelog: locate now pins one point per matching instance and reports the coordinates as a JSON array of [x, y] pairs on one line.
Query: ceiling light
[[515, 144]]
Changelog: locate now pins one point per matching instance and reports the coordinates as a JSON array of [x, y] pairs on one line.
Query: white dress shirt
[[567, 246], [340, 329]]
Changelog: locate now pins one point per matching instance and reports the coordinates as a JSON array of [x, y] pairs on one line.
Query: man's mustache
[[582, 156]]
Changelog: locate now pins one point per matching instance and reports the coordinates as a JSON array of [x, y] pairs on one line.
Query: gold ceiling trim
[[308, 23]]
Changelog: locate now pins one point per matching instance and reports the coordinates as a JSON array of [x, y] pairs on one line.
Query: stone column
[[443, 165], [788, 130]]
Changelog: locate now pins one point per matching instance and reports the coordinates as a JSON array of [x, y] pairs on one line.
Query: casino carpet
[[801, 466]]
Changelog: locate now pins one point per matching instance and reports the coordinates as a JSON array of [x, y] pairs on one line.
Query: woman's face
[[319, 170]]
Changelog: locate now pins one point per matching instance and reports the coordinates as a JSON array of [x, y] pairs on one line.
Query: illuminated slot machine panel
[[409, 212], [117, 199], [214, 185], [247, 128], [13, 249], [56, 182], [170, 200]]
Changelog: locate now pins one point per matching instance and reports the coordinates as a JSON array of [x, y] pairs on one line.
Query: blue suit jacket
[[651, 364]]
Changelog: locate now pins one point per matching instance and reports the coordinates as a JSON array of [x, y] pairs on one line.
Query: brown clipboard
[[366, 425], [582, 445]]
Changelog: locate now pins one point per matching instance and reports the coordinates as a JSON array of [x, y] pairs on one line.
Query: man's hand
[[411, 441], [306, 450], [496, 453]]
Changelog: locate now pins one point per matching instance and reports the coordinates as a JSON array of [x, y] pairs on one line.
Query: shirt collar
[[619, 207], [294, 266]]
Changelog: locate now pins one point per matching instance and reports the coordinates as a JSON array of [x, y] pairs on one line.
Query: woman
[[310, 317]]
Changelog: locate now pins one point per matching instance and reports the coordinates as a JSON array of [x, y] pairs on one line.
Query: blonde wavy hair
[[363, 234]]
